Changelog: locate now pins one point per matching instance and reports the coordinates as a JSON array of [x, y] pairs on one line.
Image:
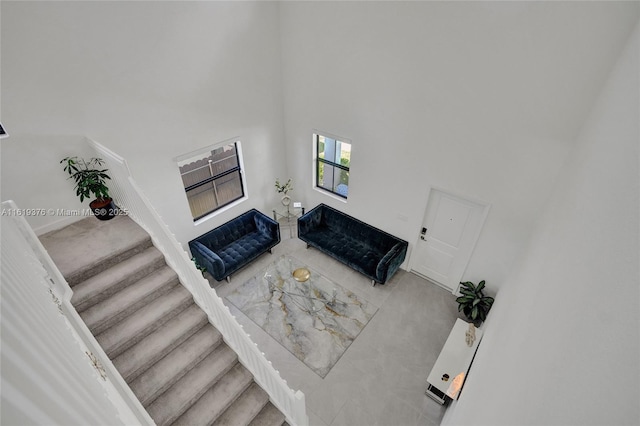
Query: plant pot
[[476, 322], [104, 209]]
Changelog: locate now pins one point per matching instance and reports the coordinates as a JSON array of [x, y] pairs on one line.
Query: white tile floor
[[381, 378]]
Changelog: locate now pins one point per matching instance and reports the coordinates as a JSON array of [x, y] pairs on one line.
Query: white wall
[[34, 179], [562, 342], [151, 81], [482, 99]]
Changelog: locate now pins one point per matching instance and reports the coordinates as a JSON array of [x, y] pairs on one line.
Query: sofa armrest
[[208, 259], [309, 221], [267, 226], [391, 261]]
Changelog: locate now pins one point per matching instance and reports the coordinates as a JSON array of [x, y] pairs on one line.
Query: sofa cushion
[[354, 251], [229, 232], [343, 224], [245, 247]]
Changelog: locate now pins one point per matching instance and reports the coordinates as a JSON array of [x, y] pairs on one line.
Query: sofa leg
[[373, 283], [308, 246], [229, 278]]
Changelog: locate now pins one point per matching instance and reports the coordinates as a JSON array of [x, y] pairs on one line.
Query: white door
[[450, 231]]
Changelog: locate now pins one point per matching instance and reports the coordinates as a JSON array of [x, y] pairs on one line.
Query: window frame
[[317, 160], [239, 168]]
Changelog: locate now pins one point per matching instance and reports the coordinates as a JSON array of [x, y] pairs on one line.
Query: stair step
[[176, 400], [89, 246], [269, 416], [101, 286], [163, 374], [245, 408], [158, 338], [112, 310], [217, 398], [149, 350], [131, 330]]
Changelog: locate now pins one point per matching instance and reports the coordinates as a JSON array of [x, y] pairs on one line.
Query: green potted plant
[[90, 179], [473, 303], [199, 267]]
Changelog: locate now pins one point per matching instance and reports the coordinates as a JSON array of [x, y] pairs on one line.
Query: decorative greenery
[[284, 188], [473, 302], [88, 177], [198, 266]]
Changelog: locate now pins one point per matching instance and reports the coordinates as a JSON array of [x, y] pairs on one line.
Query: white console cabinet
[[449, 372]]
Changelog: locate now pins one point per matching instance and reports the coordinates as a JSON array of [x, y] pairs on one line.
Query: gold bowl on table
[[301, 274]]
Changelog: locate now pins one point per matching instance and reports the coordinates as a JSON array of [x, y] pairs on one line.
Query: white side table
[[449, 372]]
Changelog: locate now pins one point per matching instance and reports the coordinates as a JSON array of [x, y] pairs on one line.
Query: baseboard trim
[[58, 224]]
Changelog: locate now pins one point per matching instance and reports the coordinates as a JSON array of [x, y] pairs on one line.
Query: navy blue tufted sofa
[[234, 244], [366, 249]]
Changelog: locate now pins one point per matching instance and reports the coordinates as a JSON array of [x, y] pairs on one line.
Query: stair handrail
[[129, 197]]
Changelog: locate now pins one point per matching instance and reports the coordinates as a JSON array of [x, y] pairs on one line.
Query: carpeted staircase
[[173, 359]]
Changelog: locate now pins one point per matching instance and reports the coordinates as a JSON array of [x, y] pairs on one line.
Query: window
[[212, 178], [333, 158]]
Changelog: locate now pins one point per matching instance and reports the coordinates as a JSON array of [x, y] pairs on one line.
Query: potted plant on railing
[[473, 303], [90, 179], [199, 267]]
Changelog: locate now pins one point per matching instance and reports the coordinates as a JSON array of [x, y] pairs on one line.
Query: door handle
[[423, 232]]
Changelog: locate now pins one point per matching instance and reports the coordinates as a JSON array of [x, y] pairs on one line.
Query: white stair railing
[[53, 369], [128, 196]]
